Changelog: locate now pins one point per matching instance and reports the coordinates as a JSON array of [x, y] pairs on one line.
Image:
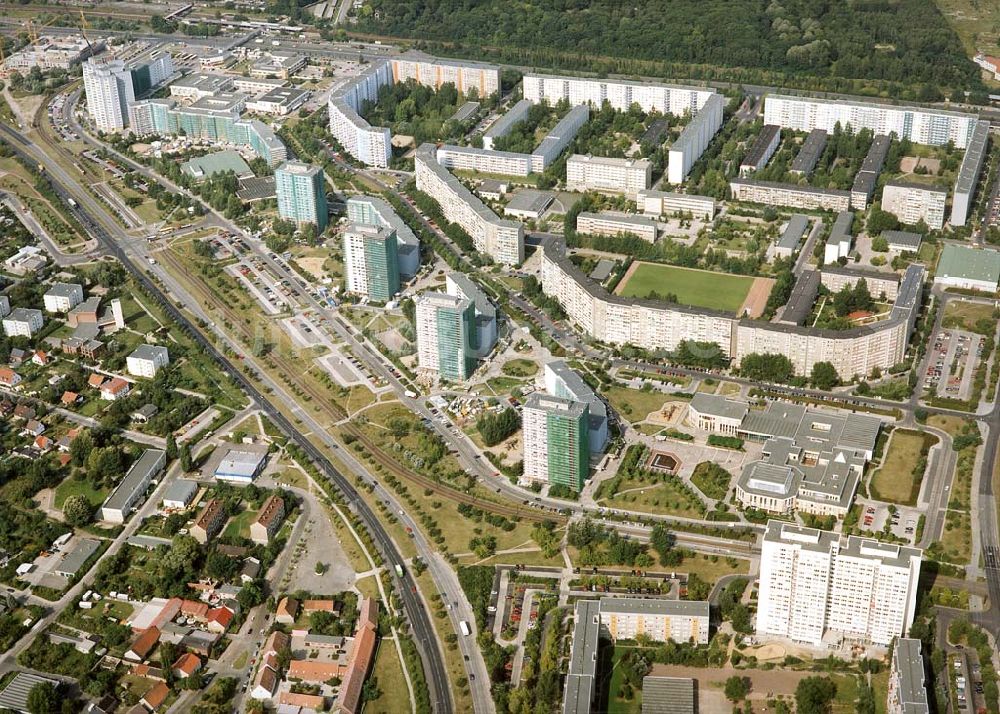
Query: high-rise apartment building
[[812, 583], [556, 441], [301, 193], [446, 335], [374, 211], [371, 262], [500, 239], [152, 73], [108, 86]]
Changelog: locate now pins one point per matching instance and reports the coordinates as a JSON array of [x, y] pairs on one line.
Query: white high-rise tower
[[108, 85]]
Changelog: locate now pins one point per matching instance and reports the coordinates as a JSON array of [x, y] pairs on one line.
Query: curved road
[[423, 630]]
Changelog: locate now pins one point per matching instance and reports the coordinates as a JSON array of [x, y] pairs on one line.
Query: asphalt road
[[417, 614]]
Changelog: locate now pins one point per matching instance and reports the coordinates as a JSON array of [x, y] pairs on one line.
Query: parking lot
[[902, 521], [954, 357]]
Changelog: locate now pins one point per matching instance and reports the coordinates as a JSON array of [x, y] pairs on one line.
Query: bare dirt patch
[[756, 300]]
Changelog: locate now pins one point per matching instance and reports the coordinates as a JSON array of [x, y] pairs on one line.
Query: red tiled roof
[[156, 696], [145, 642], [69, 397], [187, 664], [319, 606], [95, 380], [222, 615], [312, 671]]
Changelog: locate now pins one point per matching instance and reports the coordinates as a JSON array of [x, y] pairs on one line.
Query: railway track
[[338, 414]]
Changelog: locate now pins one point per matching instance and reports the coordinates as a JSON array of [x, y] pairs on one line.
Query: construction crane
[[83, 31]]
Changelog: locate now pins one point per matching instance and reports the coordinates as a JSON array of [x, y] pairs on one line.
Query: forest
[[906, 44]]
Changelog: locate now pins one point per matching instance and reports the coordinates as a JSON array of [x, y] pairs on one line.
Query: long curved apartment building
[[372, 145], [496, 237], [655, 325], [648, 324]]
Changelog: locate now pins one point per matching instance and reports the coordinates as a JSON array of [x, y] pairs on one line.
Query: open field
[[636, 404], [964, 315], [389, 675], [896, 481], [976, 23], [699, 288]]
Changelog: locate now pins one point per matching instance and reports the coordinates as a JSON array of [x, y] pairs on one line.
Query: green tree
[[78, 511], [767, 367], [815, 694], [737, 688], [185, 454], [44, 699], [824, 376]]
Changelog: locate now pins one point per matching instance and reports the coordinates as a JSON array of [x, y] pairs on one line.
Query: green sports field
[[699, 288]]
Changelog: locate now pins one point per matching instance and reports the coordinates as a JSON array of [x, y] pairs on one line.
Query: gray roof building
[[75, 559], [580, 685], [654, 606], [800, 302], [903, 240], [792, 235], [719, 406], [812, 148], [908, 681], [180, 493], [529, 203], [15, 695], [132, 489], [668, 695]]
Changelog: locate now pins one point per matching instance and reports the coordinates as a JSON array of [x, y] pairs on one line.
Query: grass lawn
[[617, 705], [239, 525], [880, 685], [636, 404], [533, 557], [847, 694], [83, 487], [520, 368], [711, 570], [895, 481], [952, 424], [657, 496], [700, 288], [956, 540], [388, 671]]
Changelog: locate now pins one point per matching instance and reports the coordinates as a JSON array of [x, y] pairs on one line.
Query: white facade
[[694, 139], [63, 297], [613, 224], [596, 173], [500, 239], [372, 146], [147, 360], [469, 158], [921, 126], [108, 86], [23, 322], [788, 194], [663, 203], [912, 204], [811, 583], [620, 94]]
